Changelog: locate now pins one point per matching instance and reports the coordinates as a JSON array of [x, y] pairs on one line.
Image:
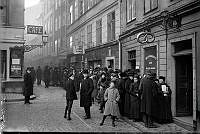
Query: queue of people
[[119, 94]]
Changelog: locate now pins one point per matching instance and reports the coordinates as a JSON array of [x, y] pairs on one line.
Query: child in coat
[[111, 97]]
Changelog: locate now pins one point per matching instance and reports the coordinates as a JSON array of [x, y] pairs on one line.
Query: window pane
[[154, 4], [133, 9], [147, 5]]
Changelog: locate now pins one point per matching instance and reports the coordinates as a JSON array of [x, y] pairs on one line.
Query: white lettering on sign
[[34, 29]]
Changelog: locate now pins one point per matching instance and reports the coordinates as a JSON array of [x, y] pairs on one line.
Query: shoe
[[101, 124], [65, 116], [69, 119], [101, 111]]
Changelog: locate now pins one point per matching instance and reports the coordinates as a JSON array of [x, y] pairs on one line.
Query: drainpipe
[[120, 54]]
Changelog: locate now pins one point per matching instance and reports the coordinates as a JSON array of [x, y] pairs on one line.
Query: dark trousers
[[147, 120], [87, 111], [46, 84], [27, 99], [38, 81], [68, 108], [102, 105]]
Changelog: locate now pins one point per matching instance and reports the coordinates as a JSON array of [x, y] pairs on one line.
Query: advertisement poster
[[150, 59]]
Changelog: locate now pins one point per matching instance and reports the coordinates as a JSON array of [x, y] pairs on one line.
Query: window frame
[[99, 31], [111, 26], [151, 9], [89, 36], [130, 10]]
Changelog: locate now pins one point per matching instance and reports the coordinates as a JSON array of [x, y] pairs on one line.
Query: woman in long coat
[[127, 99], [135, 100], [112, 98], [28, 85]]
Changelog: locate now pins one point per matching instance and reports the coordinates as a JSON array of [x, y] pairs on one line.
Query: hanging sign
[[145, 37], [150, 59], [31, 29]]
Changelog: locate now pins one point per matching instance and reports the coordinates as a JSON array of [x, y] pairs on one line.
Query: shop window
[[3, 64], [150, 5], [183, 46]]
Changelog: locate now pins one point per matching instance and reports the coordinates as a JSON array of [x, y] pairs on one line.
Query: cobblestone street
[[46, 115]]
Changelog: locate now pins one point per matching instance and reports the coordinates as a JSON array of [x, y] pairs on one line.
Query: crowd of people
[[119, 94]]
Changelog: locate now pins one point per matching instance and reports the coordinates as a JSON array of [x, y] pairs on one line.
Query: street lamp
[[45, 38]]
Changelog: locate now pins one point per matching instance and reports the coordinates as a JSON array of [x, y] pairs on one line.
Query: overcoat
[[28, 85], [47, 74], [70, 90], [127, 98], [135, 101], [121, 89], [39, 73], [95, 91], [86, 92], [112, 98], [148, 89]]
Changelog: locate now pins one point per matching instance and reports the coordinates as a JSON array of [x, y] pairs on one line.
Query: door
[[184, 85]]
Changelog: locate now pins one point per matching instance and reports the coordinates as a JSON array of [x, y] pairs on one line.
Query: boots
[[69, 112], [104, 117], [65, 115], [113, 121]]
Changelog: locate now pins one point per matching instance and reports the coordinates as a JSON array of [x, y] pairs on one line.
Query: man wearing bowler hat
[[86, 94]]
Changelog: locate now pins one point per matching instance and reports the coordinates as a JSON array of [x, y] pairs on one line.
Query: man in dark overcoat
[[70, 95], [46, 76], [148, 89], [39, 75], [33, 74], [86, 94], [28, 86], [121, 88]]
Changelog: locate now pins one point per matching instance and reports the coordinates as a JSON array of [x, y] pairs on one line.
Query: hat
[[162, 77], [114, 74], [85, 71], [70, 74], [122, 74]]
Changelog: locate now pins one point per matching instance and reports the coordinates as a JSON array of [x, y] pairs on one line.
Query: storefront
[[174, 54], [106, 55]]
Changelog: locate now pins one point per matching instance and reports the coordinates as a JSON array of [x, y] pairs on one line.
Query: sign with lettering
[[150, 59], [31, 29]]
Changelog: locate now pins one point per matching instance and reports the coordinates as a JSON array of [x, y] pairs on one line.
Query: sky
[[29, 3]]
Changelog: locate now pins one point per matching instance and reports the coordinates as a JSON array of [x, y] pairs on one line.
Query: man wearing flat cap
[[86, 89]]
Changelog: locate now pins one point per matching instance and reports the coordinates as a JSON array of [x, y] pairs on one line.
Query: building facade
[[174, 53], [11, 43], [53, 20], [93, 28]]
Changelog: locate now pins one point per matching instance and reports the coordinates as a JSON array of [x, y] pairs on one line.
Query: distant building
[[93, 28], [11, 43], [174, 53]]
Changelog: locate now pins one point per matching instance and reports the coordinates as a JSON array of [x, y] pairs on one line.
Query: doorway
[[184, 85]]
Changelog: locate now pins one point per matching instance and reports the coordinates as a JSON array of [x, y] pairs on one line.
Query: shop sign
[[150, 59], [31, 29], [145, 37]]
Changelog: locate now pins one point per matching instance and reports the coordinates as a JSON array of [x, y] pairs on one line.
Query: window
[[89, 35], [132, 59], [99, 31], [59, 44], [59, 22], [86, 5], [90, 4], [56, 47], [56, 24], [59, 2], [76, 9], [56, 4], [71, 14], [71, 42], [150, 5], [131, 10], [111, 26], [3, 12], [81, 7]]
